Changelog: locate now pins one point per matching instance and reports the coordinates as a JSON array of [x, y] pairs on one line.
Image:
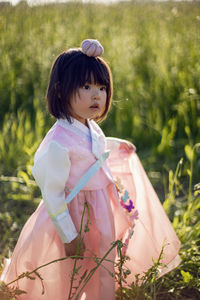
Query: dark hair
[[71, 70]]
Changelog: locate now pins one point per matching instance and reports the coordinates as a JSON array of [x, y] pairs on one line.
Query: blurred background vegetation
[[153, 50]]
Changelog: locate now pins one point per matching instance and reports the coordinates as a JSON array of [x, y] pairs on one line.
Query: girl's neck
[[86, 123]]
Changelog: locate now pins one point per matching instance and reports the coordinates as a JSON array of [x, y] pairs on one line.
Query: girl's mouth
[[94, 107]]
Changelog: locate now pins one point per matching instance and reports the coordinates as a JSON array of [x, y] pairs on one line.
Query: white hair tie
[[92, 47]]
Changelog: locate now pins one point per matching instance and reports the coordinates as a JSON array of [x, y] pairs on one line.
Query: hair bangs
[[93, 71]]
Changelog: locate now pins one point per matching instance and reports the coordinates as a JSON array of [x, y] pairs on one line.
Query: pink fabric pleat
[[153, 228], [39, 244]]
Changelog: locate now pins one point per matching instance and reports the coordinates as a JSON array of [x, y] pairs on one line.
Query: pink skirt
[[39, 243]]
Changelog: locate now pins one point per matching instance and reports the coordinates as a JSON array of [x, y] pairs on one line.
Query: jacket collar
[[88, 132]]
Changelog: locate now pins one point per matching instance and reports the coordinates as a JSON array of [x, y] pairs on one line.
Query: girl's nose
[[95, 93]]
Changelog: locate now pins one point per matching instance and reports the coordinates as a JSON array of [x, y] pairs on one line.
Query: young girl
[[80, 93]]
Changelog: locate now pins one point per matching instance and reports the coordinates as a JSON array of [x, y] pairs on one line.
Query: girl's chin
[[94, 109]]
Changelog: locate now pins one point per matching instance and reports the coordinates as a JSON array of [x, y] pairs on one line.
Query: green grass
[[153, 51]]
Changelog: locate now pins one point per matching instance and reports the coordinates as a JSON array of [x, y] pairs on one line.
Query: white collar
[[75, 123]]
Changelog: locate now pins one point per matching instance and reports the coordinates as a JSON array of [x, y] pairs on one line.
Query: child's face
[[88, 102]]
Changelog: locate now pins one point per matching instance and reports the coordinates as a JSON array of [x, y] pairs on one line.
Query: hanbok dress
[[65, 154]]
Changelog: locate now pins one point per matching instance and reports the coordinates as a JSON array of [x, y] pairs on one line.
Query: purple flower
[[129, 206], [135, 215]]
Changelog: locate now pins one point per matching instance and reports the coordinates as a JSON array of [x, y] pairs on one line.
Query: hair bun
[[92, 47]]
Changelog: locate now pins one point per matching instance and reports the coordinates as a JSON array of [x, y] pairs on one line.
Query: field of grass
[[153, 50]]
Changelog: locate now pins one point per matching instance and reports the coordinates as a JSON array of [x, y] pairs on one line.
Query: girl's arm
[[51, 170]]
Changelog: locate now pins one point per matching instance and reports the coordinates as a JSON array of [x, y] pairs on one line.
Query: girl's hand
[[127, 146], [70, 248]]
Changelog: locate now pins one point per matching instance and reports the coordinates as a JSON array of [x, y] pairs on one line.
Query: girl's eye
[[86, 87], [102, 88]]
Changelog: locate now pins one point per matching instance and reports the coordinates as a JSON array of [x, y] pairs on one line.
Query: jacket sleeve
[[51, 171], [113, 143]]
